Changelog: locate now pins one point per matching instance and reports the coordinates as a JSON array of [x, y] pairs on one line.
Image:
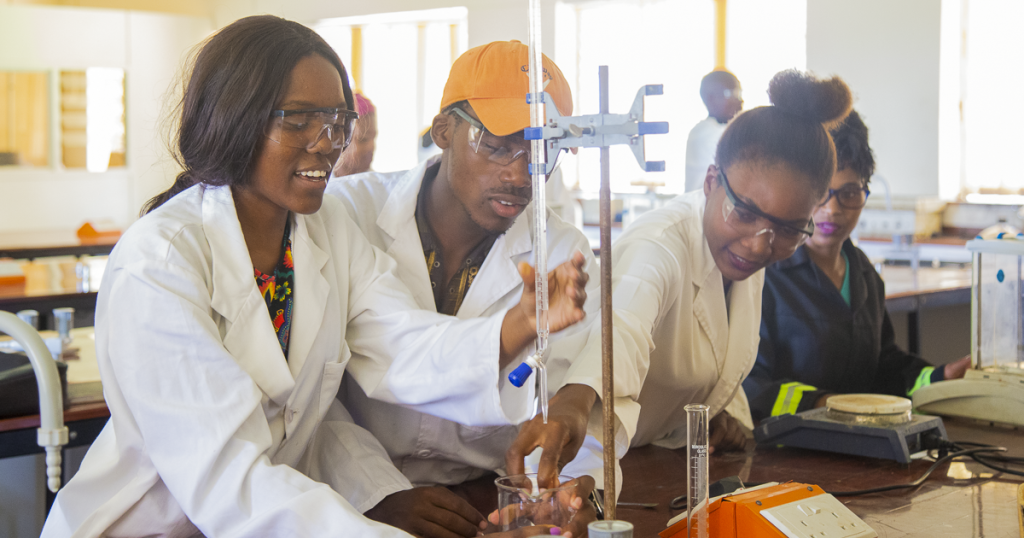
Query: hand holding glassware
[[522, 503]]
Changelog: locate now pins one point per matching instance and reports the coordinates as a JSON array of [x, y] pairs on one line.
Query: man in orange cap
[[458, 224]]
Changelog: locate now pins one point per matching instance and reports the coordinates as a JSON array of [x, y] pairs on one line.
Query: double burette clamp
[[599, 130], [588, 131]]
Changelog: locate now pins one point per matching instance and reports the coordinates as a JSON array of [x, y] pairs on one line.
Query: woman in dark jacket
[[824, 327]]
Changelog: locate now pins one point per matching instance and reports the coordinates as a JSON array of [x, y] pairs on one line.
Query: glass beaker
[[521, 503]]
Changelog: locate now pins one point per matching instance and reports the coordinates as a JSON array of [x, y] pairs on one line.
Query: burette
[[550, 133], [540, 233]]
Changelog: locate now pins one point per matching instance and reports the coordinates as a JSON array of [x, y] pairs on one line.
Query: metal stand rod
[[608, 396]]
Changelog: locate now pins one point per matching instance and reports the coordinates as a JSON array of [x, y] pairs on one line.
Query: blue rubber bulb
[[519, 376]]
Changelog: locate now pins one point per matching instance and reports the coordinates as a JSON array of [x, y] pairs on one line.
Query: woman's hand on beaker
[[560, 439], [726, 434], [429, 512], [957, 368]]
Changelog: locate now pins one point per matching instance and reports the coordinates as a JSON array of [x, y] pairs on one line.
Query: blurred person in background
[[359, 155], [723, 97]]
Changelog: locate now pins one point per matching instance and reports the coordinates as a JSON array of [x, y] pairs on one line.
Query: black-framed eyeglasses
[[849, 196], [750, 221], [503, 150], [304, 128]]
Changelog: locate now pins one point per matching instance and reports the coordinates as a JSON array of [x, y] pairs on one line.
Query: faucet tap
[[901, 242], [52, 433], [896, 239]]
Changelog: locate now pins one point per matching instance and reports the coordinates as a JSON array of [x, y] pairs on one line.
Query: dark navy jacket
[[813, 343]]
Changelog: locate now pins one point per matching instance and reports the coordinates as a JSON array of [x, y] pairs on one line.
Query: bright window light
[[992, 134], [662, 42], [104, 112], [668, 42], [763, 38], [405, 61]]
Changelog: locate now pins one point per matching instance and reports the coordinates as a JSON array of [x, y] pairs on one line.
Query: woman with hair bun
[[229, 312], [687, 277], [824, 326]]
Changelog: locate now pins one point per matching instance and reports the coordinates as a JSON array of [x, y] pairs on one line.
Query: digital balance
[[993, 388], [872, 425]]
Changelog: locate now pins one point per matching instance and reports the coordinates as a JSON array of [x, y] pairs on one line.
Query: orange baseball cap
[[495, 79]]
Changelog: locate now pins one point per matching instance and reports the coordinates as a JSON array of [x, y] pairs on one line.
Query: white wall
[[888, 52], [158, 46], [150, 48]]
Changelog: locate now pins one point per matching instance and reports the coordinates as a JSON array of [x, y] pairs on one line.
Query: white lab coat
[[666, 285], [700, 151], [431, 450], [211, 430]]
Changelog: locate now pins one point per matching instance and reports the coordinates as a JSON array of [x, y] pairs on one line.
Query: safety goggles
[[304, 128], [751, 221], [849, 196], [503, 150]]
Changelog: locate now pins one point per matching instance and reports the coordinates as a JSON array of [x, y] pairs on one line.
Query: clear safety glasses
[[849, 196], [503, 150], [751, 221], [304, 128]]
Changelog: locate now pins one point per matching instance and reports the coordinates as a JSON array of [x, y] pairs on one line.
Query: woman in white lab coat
[[688, 276], [228, 313]]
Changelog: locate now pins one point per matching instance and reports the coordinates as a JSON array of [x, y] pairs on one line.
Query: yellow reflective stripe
[[788, 400], [923, 379]]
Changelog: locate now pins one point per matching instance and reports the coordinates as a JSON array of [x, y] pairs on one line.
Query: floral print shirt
[[276, 290]]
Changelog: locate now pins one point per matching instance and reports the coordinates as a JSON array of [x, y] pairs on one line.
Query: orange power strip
[[739, 515]]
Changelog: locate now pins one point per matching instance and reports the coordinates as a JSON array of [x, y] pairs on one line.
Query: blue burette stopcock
[[522, 372]]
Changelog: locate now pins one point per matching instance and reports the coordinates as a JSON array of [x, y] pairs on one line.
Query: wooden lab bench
[[959, 499]]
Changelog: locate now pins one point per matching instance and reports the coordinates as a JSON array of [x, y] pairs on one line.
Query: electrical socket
[[821, 516]]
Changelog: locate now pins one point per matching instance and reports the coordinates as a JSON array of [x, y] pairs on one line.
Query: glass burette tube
[[537, 173]]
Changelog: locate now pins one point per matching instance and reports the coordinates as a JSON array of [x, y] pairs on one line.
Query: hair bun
[[825, 101]]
